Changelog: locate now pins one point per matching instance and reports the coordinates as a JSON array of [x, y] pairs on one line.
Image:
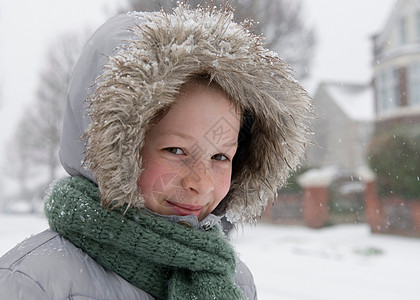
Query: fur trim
[[147, 72]]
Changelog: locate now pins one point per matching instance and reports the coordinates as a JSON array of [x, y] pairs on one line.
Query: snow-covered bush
[[394, 156]]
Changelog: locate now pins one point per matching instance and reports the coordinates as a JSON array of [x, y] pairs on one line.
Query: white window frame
[[414, 84], [418, 25], [403, 30]]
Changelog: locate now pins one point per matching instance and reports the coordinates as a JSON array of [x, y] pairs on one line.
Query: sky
[[27, 28], [344, 29]]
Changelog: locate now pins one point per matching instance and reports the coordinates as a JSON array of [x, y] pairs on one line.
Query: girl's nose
[[198, 178]]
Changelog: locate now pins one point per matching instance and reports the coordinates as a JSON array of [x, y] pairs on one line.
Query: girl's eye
[[175, 150], [220, 157]]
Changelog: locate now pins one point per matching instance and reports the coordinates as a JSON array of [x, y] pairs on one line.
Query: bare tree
[[47, 114], [280, 21], [33, 149], [19, 158]]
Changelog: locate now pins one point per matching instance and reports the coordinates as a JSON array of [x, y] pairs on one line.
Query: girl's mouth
[[182, 209]]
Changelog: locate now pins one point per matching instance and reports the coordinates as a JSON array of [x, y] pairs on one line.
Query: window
[[414, 84], [387, 86]]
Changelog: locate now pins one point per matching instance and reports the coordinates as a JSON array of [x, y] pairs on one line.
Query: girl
[[189, 119]]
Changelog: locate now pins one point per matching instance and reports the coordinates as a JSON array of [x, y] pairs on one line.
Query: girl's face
[[187, 157]]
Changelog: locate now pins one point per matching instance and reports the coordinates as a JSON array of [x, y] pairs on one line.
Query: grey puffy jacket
[[143, 59], [48, 267]]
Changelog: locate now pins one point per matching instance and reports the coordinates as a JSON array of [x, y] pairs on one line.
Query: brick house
[[396, 82], [348, 114], [396, 66]]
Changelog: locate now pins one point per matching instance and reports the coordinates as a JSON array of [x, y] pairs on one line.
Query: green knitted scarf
[[165, 259]]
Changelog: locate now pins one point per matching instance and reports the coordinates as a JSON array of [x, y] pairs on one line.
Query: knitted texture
[[165, 259]]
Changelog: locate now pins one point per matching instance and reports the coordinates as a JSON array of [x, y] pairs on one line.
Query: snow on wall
[[317, 177]]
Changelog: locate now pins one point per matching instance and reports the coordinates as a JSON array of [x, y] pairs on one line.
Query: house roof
[[355, 100]]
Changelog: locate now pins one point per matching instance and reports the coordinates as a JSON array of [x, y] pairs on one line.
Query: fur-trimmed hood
[[142, 59]]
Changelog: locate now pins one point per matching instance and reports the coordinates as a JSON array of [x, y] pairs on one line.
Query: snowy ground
[[296, 263], [336, 263]]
